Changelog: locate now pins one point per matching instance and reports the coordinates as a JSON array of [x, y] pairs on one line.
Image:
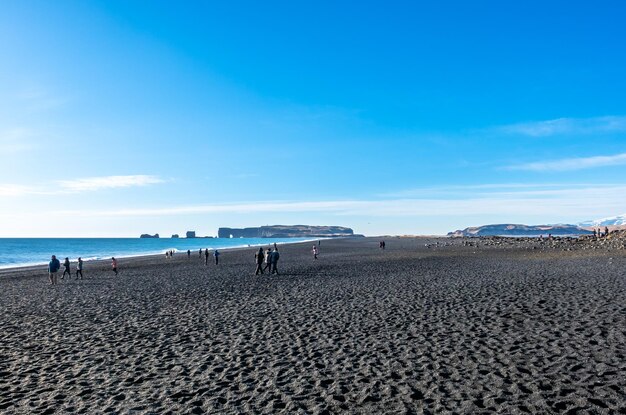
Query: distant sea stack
[[175, 236], [190, 234], [146, 235], [283, 231], [521, 230]]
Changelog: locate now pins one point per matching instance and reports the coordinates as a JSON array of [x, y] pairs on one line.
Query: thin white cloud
[[108, 182], [15, 140], [562, 126], [570, 202], [483, 189], [40, 99], [79, 185], [13, 190], [578, 163]]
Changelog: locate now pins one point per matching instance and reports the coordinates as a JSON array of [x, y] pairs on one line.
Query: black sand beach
[[412, 329]]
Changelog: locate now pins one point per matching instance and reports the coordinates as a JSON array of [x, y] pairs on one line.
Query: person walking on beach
[[268, 260], [206, 256], [66, 269], [53, 268], [79, 268], [114, 265], [274, 262], [216, 254], [189, 253], [200, 253], [259, 257], [275, 247], [314, 252]]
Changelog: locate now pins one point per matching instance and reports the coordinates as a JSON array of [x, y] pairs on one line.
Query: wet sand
[[417, 328]]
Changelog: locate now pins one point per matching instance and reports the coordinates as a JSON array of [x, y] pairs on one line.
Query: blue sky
[[119, 118]]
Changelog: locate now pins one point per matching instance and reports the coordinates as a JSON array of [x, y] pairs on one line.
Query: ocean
[[17, 252]]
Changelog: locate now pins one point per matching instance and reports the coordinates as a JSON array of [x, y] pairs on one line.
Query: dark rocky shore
[[426, 326]]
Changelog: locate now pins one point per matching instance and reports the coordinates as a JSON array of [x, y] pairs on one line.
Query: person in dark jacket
[[259, 261], [274, 262], [66, 268], [53, 268]]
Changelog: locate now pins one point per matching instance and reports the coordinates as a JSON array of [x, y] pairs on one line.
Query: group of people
[[265, 261], [269, 258], [55, 265], [216, 256], [598, 233]]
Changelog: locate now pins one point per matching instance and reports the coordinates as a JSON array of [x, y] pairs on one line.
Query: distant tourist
[[268, 260], [167, 254], [314, 251], [53, 268], [206, 256], [274, 261], [259, 257], [114, 265], [66, 268], [319, 243], [189, 253], [79, 268], [383, 244], [275, 247], [606, 231], [216, 254], [595, 234], [200, 253]]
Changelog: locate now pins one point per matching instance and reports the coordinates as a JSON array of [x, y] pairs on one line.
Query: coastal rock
[[190, 234], [284, 231], [521, 230], [175, 236], [147, 235]]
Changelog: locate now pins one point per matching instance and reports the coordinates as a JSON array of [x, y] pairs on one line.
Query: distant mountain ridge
[[283, 231], [521, 230]]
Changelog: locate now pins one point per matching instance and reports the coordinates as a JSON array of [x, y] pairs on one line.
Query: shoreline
[[26, 268]]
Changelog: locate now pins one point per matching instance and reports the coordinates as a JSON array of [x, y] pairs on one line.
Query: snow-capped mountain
[[521, 230], [612, 221]]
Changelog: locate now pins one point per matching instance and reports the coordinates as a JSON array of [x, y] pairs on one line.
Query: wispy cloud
[[39, 98], [568, 164], [577, 201], [482, 189], [108, 182], [89, 184], [12, 190], [15, 140], [562, 126]]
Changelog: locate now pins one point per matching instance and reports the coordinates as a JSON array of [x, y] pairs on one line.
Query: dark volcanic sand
[[408, 330]]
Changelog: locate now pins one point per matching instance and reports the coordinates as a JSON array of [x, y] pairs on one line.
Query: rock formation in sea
[[175, 236], [190, 234], [146, 235], [284, 231]]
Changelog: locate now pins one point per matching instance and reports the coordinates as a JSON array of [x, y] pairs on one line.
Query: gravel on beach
[[428, 325]]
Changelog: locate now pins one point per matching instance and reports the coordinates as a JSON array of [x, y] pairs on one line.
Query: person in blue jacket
[[53, 268]]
